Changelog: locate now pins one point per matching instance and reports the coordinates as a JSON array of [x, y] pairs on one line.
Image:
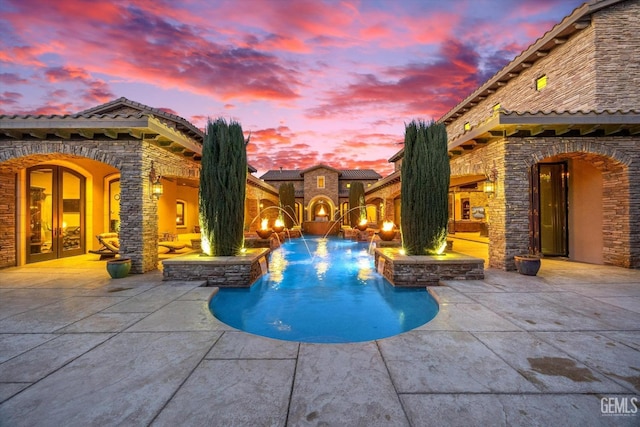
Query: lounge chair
[[110, 245], [172, 246]]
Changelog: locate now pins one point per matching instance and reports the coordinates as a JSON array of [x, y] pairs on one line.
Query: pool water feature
[[333, 296]]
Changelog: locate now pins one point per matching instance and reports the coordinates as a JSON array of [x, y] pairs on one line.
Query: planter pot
[[387, 235], [264, 234], [119, 268], [527, 264]]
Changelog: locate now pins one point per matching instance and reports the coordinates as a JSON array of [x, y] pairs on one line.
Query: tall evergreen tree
[[223, 181], [356, 199], [287, 193], [425, 179]]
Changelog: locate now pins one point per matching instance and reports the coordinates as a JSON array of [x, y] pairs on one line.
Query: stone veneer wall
[[138, 210], [8, 233], [568, 66], [618, 158], [254, 196], [387, 193], [596, 69], [311, 190], [617, 43], [234, 272], [420, 271]]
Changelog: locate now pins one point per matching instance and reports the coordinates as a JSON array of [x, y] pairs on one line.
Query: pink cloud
[[58, 74], [12, 79], [418, 89], [10, 98]]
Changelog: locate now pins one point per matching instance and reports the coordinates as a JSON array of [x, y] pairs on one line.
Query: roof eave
[[568, 26]]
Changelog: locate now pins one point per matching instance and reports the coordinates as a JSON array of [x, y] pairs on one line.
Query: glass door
[[552, 192], [56, 213]]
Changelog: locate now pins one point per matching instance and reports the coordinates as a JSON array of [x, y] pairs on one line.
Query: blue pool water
[[328, 293]]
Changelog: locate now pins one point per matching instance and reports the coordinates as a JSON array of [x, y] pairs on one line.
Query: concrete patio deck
[[78, 348]]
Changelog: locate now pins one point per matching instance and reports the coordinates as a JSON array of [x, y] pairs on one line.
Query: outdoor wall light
[[156, 185], [489, 185]]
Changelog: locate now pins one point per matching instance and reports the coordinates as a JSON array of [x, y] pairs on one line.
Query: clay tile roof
[[297, 175], [282, 175], [360, 174], [113, 106]]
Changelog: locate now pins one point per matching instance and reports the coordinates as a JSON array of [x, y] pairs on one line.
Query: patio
[[77, 348]]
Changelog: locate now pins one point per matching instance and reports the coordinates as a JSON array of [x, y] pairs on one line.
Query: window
[[179, 213], [467, 126], [321, 182], [541, 82]]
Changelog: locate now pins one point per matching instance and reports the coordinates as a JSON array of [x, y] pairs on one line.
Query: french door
[[56, 213], [549, 203]]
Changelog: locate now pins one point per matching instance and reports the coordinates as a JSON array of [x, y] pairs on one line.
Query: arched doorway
[[321, 209], [56, 213]]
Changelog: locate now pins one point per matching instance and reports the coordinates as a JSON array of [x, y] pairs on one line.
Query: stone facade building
[[322, 193], [66, 178], [555, 135], [557, 132]]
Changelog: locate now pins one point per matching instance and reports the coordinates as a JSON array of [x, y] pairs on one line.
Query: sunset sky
[[313, 81]]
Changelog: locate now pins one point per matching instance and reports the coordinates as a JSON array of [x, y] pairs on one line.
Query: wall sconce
[[489, 186], [156, 185]]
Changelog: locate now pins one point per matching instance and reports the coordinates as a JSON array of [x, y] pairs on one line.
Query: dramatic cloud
[[428, 89], [312, 81]]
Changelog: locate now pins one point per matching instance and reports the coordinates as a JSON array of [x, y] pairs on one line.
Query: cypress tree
[[223, 180], [287, 193], [425, 179], [356, 198]]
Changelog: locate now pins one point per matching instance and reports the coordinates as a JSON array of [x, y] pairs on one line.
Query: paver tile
[[124, 381], [232, 393], [343, 385], [448, 362]]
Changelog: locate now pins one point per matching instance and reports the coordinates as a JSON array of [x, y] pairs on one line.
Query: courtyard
[[78, 348]]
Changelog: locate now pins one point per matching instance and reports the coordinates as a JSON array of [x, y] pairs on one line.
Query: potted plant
[[118, 267], [527, 264]]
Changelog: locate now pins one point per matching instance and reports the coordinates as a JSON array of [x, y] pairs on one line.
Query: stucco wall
[[585, 212]]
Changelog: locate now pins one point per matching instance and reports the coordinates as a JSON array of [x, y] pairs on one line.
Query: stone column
[[8, 219], [509, 208], [138, 213]]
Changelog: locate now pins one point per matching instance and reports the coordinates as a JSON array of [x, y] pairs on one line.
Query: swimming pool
[[328, 293]]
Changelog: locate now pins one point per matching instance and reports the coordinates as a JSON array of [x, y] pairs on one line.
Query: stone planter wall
[[232, 271], [420, 271]]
